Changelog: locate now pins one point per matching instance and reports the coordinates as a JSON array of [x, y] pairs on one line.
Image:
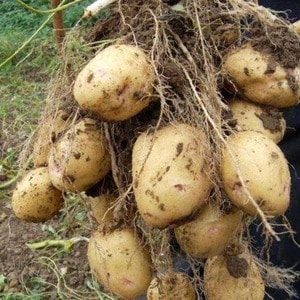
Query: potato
[[35, 199], [171, 286], [264, 170], [49, 131], [210, 232], [80, 158], [101, 207], [264, 119], [116, 84], [170, 176], [119, 262], [261, 79], [232, 278]]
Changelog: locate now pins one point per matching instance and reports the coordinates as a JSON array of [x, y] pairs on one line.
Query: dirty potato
[[170, 175]]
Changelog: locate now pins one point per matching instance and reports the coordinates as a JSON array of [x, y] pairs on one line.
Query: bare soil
[[22, 266]]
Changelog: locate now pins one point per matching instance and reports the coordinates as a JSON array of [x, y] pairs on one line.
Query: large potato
[[35, 199], [233, 278], [264, 170], [264, 119], [171, 286], [50, 129], [210, 232], [170, 178], [119, 262], [261, 79], [80, 158], [116, 84]]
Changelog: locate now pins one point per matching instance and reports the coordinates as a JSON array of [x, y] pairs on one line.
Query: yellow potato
[[116, 84], [261, 79], [80, 158], [264, 170], [35, 199], [170, 176], [171, 286], [119, 262], [101, 207], [264, 119], [233, 278], [210, 232]]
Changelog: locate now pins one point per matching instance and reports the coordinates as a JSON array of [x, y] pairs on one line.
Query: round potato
[[119, 262], [35, 199], [116, 84], [50, 129], [171, 286], [170, 176], [80, 158], [233, 277], [261, 79], [264, 170], [210, 232], [101, 207], [264, 119]]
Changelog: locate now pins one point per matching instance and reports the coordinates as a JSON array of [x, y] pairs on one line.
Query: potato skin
[[35, 199], [170, 177], [219, 284], [171, 286], [119, 262], [210, 232], [250, 72], [264, 119], [264, 170], [80, 158], [116, 84]]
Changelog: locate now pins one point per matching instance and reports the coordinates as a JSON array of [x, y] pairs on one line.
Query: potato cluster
[[173, 186]]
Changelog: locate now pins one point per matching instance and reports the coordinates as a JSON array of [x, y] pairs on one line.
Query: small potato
[[116, 84], [261, 79], [35, 199], [171, 286], [232, 278], [49, 131], [119, 262], [80, 158], [170, 176], [101, 207], [264, 170], [264, 119], [210, 232]]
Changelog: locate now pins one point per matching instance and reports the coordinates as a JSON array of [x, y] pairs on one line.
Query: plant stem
[[58, 26]]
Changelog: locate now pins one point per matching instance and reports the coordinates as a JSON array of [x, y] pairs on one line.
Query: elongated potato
[[171, 286], [80, 158], [35, 199], [210, 232], [232, 278], [119, 262], [116, 84], [264, 170], [261, 79], [264, 119], [170, 178]]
